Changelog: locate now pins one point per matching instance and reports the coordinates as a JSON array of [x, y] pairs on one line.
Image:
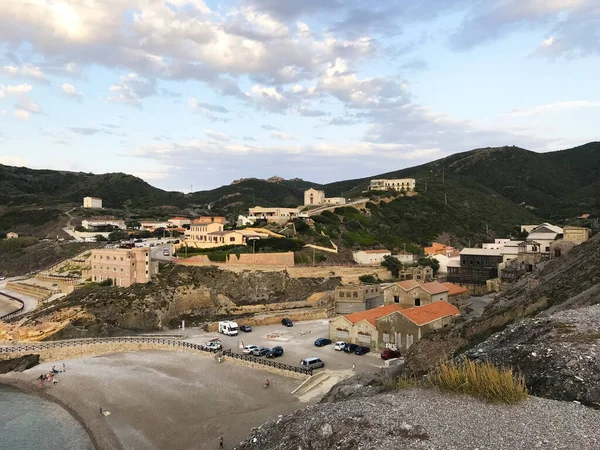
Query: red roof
[[454, 289], [428, 313], [179, 218], [372, 315], [407, 285], [434, 288], [377, 251]]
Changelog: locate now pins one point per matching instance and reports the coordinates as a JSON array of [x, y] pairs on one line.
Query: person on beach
[[353, 367], [221, 442], [267, 383], [64, 368], [42, 378], [100, 410]]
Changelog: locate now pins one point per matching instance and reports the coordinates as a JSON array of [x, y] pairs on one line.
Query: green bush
[[18, 243], [369, 279], [217, 256]]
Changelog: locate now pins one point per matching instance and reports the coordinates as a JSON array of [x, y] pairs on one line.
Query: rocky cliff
[[196, 294], [566, 283]]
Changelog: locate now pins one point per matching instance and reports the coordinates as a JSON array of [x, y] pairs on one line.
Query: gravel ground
[[427, 419]]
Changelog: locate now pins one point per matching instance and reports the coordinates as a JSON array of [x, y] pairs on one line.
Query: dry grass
[[406, 383], [484, 380]]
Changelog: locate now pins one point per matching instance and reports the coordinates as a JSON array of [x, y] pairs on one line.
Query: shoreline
[[102, 439]]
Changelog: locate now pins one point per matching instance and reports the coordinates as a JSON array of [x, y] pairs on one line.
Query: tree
[[431, 262], [394, 265], [133, 224], [80, 229], [369, 279], [118, 235], [159, 232], [100, 238]]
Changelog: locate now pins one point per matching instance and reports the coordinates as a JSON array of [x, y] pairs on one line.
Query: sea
[[28, 422]]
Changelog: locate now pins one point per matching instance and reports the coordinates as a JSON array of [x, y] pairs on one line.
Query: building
[[102, 221], [92, 202], [405, 258], [402, 185], [510, 250], [350, 299], [209, 219], [179, 222], [545, 235], [123, 266], [370, 257], [207, 234], [11, 235], [391, 326], [275, 214], [147, 224], [422, 274], [315, 197], [243, 221], [411, 293], [440, 249], [445, 261], [457, 295], [477, 265], [576, 234], [498, 244]]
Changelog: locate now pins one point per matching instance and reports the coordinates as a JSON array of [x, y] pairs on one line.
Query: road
[[29, 302], [297, 342], [157, 251]]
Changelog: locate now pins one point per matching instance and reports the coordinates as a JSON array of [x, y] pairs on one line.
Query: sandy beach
[[163, 400]]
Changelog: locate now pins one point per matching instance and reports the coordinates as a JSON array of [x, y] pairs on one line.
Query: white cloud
[[10, 71], [20, 89], [70, 91], [217, 136], [555, 107], [282, 136], [22, 114], [33, 72], [25, 103], [131, 89]]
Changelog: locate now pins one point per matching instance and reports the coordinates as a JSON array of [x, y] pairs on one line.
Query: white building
[[242, 221], [446, 261], [179, 222], [510, 250], [370, 257], [102, 221], [545, 235], [275, 214], [92, 202], [402, 184], [498, 244], [405, 258], [154, 224]]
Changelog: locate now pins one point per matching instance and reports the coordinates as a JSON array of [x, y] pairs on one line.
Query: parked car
[[350, 348], [152, 245], [339, 345], [312, 363], [275, 352], [260, 351], [212, 345], [388, 353], [322, 342], [248, 349], [138, 240], [2, 278], [362, 350], [287, 322], [246, 328]]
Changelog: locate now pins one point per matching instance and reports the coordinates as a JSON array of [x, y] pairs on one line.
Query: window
[[396, 299], [121, 258], [547, 249], [121, 270], [94, 256], [146, 272], [146, 262], [342, 294], [114, 269], [417, 302], [355, 294], [114, 258], [231, 239]]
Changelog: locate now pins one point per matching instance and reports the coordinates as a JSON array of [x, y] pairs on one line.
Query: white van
[[228, 327], [312, 363]]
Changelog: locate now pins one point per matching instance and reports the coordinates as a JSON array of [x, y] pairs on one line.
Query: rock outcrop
[[19, 364], [559, 355]]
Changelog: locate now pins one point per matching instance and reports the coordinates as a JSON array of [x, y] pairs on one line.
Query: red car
[[388, 353]]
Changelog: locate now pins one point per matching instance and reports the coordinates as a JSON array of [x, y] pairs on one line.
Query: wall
[[354, 332], [38, 292], [258, 259], [363, 257]]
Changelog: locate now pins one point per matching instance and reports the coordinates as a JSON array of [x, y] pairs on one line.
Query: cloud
[[27, 104], [132, 89], [282, 136], [14, 161], [215, 135], [196, 105], [555, 107], [311, 112], [269, 128], [27, 71], [22, 114], [91, 131], [70, 91], [10, 71], [20, 89]]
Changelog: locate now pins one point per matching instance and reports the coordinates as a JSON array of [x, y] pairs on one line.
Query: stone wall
[[37, 292], [263, 259]]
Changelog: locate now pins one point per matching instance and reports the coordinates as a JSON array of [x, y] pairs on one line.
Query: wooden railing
[[14, 313], [177, 344]]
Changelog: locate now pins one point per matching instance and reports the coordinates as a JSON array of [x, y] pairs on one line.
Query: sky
[[193, 94]]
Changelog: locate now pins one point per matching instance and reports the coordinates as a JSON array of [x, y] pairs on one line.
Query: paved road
[[157, 252], [297, 342]]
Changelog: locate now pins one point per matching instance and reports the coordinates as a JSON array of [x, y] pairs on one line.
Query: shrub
[[369, 279], [107, 282], [482, 380], [18, 243]]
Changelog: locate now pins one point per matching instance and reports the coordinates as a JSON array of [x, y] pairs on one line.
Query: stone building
[[457, 295], [92, 202], [477, 265], [422, 274], [576, 234], [351, 299], [411, 293], [391, 326], [315, 197], [123, 266], [401, 184]]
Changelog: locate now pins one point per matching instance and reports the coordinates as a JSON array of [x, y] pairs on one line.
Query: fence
[[14, 313], [176, 344]]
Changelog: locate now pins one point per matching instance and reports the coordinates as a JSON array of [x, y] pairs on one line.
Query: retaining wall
[[248, 259], [37, 292]]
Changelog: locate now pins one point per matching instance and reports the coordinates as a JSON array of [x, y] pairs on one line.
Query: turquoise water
[[28, 422]]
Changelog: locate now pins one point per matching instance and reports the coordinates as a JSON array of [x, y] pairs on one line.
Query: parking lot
[[297, 342]]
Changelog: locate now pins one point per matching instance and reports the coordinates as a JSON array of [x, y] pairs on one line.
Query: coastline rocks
[[19, 364], [558, 355]]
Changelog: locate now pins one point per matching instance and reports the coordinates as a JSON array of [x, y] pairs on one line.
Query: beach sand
[[163, 400]]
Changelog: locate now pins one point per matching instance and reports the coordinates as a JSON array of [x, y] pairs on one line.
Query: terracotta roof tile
[[422, 315], [407, 285], [434, 288], [372, 315], [454, 289]]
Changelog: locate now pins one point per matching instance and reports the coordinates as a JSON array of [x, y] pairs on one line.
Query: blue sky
[[194, 94]]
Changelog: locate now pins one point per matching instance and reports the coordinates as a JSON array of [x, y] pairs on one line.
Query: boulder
[[19, 364]]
